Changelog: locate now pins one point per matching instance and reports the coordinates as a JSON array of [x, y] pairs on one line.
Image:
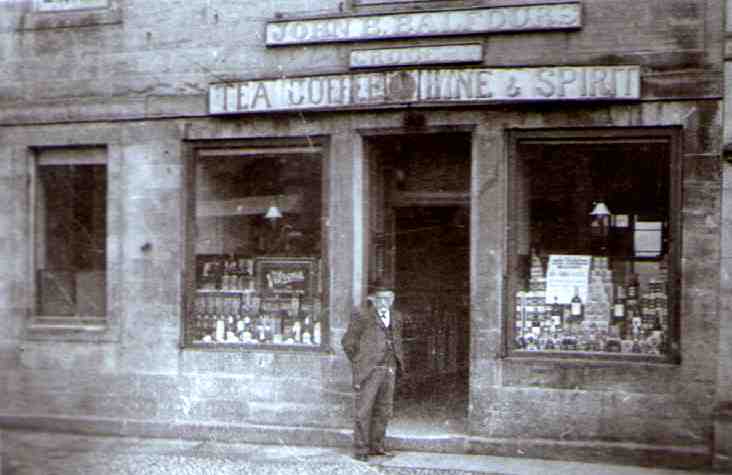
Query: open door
[[420, 245]]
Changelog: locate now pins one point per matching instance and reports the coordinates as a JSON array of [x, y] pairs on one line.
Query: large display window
[[594, 240], [256, 265]]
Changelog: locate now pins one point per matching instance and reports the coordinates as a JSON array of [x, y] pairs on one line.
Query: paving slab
[[44, 453]]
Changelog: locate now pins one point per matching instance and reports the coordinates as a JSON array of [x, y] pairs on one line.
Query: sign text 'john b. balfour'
[[427, 87], [554, 16]]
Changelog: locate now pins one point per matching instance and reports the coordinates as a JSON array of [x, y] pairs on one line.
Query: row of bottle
[[593, 340], [629, 318], [259, 329], [227, 273], [224, 318]]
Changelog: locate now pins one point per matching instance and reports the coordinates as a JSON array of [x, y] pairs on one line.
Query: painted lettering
[[242, 98], [544, 17], [342, 28], [519, 18], [566, 76], [426, 25], [300, 30], [544, 83], [484, 85], [295, 96], [277, 32], [433, 85], [403, 25], [261, 94], [464, 88], [336, 90], [512, 87], [597, 82], [497, 19], [568, 16], [371, 27], [628, 82], [321, 30], [316, 94], [471, 20], [375, 89]]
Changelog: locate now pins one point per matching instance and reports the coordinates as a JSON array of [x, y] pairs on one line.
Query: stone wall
[[158, 58], [136, 81]]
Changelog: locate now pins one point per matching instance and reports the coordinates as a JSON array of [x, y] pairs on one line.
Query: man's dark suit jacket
[[365, 341]]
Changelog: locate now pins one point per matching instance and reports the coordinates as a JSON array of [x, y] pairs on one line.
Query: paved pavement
[[34, 453]]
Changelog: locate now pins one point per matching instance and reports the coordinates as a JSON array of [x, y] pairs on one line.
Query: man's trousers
[[373, 407]]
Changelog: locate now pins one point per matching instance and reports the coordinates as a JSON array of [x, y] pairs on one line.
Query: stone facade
[[134, 77]]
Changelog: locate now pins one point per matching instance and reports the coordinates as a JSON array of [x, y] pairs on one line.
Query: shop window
[[594, 244], [258, 247], [70, 228]]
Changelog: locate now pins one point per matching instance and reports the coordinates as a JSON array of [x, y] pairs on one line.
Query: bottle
[[536, 326], [261, 331], [556, 315], [633, 287], [307, 330], [577, 309], [317, 336], [619, 311]]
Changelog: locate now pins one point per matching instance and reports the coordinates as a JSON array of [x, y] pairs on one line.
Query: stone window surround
[[189, 154], [108, 330], [37, 20], [671, 134]]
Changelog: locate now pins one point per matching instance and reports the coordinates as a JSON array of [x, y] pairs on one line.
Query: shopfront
[[541, 188]]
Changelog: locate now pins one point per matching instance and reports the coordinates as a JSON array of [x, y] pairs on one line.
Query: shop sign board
[[66, 5], [427, 87], [503, 19], [565, 275], [417, 55]]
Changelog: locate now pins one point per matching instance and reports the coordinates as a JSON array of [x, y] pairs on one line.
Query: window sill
[[70, 19], [269, 347], [591, 358], [70, 329]]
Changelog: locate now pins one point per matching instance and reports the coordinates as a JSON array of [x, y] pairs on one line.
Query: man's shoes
[[381, 453], [361, 457]]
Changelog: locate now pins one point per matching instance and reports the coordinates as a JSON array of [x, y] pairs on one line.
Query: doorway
[[420, 245]]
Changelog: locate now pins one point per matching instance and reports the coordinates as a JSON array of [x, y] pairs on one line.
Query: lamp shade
[[273, 213], [600, 209]]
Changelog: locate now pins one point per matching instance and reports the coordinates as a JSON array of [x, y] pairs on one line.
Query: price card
[[566, 273]]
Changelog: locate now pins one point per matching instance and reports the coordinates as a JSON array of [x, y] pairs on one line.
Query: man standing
[[373, 344]]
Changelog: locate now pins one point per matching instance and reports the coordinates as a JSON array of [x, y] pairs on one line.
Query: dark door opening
[[432, 281], [420, 244]]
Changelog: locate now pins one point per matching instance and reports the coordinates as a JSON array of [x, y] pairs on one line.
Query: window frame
[[37, 19], [230, 149], [671, 135], [73, 328]]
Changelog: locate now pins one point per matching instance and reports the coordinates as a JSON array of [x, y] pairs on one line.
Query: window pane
[[258, 249], [592, 256], [71, 232]]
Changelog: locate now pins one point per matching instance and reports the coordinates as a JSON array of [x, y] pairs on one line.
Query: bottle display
[[623, 312], [234, 304]]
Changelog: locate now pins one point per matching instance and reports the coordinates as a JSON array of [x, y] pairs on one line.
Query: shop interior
[[593, 256], [258, 247], [420, 233]]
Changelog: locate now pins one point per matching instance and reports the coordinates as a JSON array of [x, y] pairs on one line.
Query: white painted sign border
[[480, 20], [427, 87], [416, 55], [43, 6]]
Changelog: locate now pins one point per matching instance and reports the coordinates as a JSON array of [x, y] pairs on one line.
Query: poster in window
[[565, 275], [286, 275]]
